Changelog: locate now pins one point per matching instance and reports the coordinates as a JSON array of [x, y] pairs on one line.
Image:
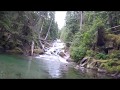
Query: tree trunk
[[32, 48], [100, 37], [48, 29], [42, 27], [111, 22], [81, 19], [40, 43]]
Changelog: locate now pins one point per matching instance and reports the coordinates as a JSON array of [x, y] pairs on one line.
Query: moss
[[38, 51], [110, 37], [16, 50], [90, 53], [114, 54], [111, 66], [114, 38]]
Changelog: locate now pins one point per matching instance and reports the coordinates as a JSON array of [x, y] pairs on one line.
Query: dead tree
[[48, 29]]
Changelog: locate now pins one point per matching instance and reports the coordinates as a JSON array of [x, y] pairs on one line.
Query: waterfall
[[54, 51]]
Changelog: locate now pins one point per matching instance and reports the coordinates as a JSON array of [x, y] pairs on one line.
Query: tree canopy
[[19, 28]]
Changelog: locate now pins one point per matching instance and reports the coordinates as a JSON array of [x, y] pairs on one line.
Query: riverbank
[[108, 67]]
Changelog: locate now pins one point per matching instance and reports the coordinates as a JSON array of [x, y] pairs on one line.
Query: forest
[[94, 35], [21, 31], [91, 38]]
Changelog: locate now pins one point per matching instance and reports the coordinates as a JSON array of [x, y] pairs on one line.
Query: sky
[[60, 18]]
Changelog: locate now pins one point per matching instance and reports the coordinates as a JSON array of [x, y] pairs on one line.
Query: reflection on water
[[43, 67], [19, 67], [29, 65]]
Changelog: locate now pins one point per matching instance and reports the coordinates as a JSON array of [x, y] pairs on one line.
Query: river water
[[47, 66]]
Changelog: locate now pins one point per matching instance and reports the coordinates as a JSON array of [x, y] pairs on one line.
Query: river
[[47, 66]]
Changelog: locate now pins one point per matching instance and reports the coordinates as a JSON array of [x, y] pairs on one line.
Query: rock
[[83, 65], [69, 59], [92, 65], [38, 51], [62, 54], [77, 67], [102, 70], [118, 76], [83, 60]]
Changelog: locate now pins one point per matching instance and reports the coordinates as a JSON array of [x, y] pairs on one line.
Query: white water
[[52, 52]]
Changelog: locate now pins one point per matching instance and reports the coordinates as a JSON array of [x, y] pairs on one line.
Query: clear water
[[47, 66], [20, 67]]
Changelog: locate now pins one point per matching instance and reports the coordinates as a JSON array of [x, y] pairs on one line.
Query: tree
[[24, 30]]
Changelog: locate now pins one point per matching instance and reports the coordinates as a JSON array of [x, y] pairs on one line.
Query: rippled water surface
[[45, 66]]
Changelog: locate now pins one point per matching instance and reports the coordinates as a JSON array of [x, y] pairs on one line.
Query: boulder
[[83, 60], [83, 65], [62, 54], [38, 51], [69, 59], [77, 67]]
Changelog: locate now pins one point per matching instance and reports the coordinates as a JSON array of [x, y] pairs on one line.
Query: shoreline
[[87, 65]]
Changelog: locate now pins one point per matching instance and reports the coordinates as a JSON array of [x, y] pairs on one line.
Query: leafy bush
[[77, 53], [101, 56], [90, 53]]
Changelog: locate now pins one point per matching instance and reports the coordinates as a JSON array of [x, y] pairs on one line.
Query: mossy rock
[[114, 54], [16, 50], [38, 51], [114, 38], [111, 66]]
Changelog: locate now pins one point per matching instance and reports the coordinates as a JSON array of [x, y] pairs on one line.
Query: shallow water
[[20, 67], [47, 66]]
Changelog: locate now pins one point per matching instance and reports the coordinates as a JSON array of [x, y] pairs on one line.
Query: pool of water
[[21, 67]]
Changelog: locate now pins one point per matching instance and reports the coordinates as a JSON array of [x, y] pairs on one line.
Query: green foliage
[[115, 54], [72, 26], [111, 66], [64, 35], [90, 53], [20, 28], [77, 53], [16, 50], [101, 56], [86, 38]]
